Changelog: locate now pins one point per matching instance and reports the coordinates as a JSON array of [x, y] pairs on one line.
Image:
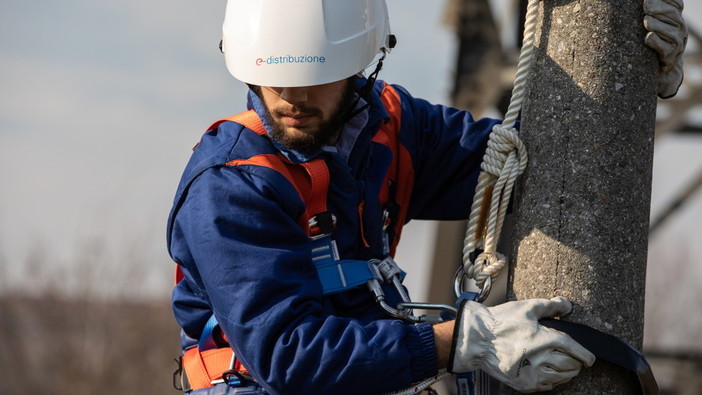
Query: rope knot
[[487, 264], [505, 159], [502, 143]]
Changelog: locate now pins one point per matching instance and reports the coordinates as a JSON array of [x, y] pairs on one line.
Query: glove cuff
[[454, 339], [471, 332], [669, 84]]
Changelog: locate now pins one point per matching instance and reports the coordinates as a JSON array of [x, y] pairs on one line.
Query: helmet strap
[[370, 82], [365, 91]]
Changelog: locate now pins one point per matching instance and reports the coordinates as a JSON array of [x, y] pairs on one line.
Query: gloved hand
[[507, 342], [667, 35]]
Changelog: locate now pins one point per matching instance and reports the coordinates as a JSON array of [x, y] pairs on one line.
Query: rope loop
[[504, 160], [486, 265]]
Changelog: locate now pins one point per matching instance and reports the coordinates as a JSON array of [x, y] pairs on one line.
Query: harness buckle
[[231, 376], [388, 269], [386, 219], [322, 224]]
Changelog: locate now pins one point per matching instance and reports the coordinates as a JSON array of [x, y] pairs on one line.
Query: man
[[286, 214]]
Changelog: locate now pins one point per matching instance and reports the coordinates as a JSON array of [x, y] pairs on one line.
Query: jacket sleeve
[[447, 146], [237, 237]]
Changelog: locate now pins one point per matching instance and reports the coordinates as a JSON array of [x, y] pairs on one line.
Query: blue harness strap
[[339, 275], [207, 341]]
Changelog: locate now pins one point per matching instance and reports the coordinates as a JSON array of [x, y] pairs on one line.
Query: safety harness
[[212, 360]]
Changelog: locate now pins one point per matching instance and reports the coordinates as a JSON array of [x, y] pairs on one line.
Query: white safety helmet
[[288, 43]]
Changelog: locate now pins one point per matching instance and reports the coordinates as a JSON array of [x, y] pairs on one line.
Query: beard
[[310, 140]]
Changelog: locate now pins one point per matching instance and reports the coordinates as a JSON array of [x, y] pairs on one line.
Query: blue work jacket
[[234, 232]]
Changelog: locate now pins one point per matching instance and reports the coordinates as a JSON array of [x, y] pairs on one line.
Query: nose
[[294, 95]]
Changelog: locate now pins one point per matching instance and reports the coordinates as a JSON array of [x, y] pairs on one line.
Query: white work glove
[[667, 35], [508, 343]]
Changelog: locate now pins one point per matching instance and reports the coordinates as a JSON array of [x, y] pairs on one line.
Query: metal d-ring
[[459, 280]]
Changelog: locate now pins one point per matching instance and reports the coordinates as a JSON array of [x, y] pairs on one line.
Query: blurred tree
[[479, 62]]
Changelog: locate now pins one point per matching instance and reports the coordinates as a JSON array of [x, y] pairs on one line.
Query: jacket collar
[[361, 125]]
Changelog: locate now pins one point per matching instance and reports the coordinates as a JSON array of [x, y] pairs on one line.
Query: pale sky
[[100, 106], [101, 102]]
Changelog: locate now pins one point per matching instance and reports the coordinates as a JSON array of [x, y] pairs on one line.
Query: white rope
[[504, 160], [422, 385]]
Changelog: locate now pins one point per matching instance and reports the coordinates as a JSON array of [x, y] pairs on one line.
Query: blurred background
[[100, 105]]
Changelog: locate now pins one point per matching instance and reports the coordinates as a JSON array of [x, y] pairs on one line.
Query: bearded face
[[306, 118]]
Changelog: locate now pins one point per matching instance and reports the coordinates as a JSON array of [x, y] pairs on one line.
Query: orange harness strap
[[198, 365], [203, 368], [249, 119], [401, 172], [311, 181], [316, 196]]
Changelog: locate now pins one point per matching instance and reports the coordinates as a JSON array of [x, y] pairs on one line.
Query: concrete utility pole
[[582, 206]]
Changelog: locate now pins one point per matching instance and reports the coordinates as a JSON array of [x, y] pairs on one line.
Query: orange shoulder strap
[[249, 119], [310, 180], [401, 172]]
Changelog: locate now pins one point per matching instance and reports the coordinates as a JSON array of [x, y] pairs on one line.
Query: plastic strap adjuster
[[389, 269]]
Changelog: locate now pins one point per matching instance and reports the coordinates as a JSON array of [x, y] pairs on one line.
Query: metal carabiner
[[430, 318], [400, 312], [387, 271]]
